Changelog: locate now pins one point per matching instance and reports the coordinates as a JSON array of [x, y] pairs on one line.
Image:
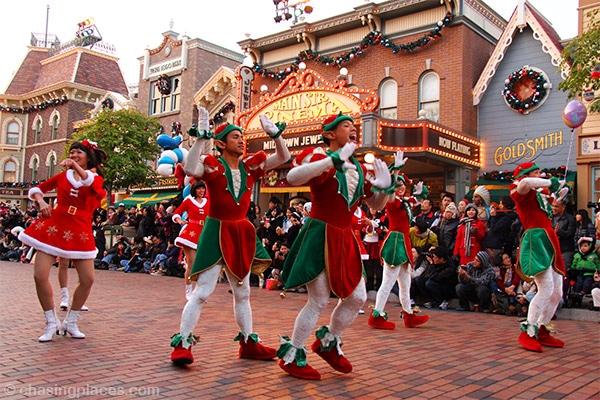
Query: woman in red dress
[[196, 206], [66, 231]]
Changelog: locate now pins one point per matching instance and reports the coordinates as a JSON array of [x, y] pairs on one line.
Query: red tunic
[[399, 221], [68, 231], [190, 232], [235, 235], [340, 254], [533, 216]]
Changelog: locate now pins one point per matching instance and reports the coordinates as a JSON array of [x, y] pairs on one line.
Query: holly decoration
[[371, 39], [507, 176], [41, 106], [524, 89], [164, 85]]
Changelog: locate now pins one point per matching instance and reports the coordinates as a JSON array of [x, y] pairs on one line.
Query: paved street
[[132, 317]]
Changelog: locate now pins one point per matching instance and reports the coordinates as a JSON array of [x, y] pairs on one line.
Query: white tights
[[207, 281], [549, 292], [318, 296], [400, 273]]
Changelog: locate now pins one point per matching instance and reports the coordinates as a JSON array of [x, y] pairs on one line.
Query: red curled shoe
[[307, 372], [255, 350], [529, 342], [181, 356], [337, 361], [548, 340], [412, 320], [380, 321]]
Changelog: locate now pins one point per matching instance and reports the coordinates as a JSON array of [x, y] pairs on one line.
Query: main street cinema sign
[[303, 101]]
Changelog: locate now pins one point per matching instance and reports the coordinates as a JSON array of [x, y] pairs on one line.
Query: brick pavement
[[132, 316]]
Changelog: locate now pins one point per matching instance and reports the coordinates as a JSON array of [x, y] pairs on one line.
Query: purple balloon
[[574, 114]]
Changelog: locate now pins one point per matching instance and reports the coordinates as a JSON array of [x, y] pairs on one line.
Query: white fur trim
[[180, 242], [89, 178], [55, 251], [33, 191]]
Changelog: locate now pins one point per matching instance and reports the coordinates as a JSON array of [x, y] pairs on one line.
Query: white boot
[[70, 325], [52, 326], [64, 303], [188, 291]]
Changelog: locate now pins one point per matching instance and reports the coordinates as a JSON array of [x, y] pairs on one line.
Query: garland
[[164, 85], [43, 105], [507, 176], [218, 117], [373, 38], [27, 184], [525, 80]]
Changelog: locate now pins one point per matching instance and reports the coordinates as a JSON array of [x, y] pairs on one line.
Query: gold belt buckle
[[72, 210]]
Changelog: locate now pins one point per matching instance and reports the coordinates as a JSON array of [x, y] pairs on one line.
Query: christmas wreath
[[525, 89], [164, 85]]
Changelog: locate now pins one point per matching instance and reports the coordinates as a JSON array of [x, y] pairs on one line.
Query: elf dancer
[[196, 206], [396, 252], [326, 255], [539, 254], [228, 239]]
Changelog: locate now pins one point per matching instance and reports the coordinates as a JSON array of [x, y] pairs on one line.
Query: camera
[[595, 206]]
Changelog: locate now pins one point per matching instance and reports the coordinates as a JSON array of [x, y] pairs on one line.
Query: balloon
[[574, 114], [169, 154], [164, 169], [166, 160], [168, 142]]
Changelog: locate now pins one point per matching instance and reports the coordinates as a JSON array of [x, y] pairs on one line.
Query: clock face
[[167, 51]]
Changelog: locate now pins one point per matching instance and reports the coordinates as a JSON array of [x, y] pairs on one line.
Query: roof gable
[[542, 31]]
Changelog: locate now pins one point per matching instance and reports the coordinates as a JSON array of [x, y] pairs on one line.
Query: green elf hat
[[333, 120], [524, 169], [401, 177], [224, 129]]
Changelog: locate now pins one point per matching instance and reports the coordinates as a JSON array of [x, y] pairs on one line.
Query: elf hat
[[402, 178], [524, 169], [332, 121], [224, 129]]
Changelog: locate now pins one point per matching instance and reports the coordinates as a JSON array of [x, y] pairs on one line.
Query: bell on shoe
[[70, 325], [52, 326], [412, 320]]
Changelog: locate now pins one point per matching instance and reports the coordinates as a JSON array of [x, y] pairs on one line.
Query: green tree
[[129, 139], [581, 56]]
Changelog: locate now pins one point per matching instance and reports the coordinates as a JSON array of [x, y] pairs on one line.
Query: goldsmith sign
[[528, 149]]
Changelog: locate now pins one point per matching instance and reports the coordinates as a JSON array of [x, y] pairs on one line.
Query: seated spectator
[[525, 293], [119, 248], [469, 235], [585, 264], [596, 292], [447, 228], [10, 247], [140, 252], [474, 283], [504, 287], [169, 264], [156, 254], [292, 233], [584, 227], [436, 283], [422, 237]]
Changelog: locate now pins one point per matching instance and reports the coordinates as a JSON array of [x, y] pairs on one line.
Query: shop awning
[[147, 198]]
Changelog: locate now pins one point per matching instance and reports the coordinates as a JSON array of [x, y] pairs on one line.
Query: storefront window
[[159, 102], [37, 128], [54, 127], [388, 95], [596, 184], [429, 96]]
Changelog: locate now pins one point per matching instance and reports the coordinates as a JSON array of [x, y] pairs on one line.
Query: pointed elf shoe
[[530, 342], [307, 372], [252, 348], [548, 340], [412, 320], [378, 319], [180, 355]]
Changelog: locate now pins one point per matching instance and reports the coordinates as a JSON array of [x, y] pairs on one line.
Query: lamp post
[[286, 11]]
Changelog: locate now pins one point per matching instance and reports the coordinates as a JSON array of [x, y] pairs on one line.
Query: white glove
[[382, 180], [418, 189], [345, 153], [399, 159], [203, 125], [268, 126]]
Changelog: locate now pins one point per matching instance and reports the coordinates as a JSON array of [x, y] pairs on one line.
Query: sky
[[134, 25]]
